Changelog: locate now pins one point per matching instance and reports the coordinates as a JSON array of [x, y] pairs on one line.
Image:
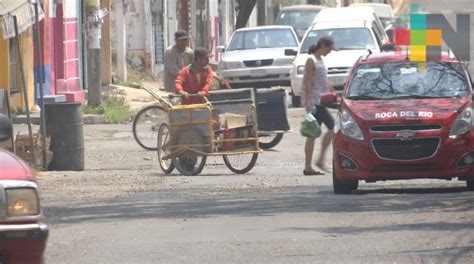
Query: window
[[14, 64]]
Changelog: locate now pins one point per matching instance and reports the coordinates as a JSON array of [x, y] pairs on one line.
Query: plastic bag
[[310, 126]]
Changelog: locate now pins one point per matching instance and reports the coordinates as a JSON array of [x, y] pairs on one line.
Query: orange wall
[[27, 53], [3, 63]]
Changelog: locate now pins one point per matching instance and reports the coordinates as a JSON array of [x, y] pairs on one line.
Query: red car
[[400, 119], [23, 234]]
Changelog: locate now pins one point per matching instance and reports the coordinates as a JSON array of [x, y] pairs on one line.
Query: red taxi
[[23, 234], [400, 119]]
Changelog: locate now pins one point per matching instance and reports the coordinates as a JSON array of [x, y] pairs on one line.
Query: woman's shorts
[[323, 116]]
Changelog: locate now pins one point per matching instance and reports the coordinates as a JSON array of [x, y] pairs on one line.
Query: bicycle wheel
[[189, 165], [146, 124], [240, 163], [166, 166], [269, 140]]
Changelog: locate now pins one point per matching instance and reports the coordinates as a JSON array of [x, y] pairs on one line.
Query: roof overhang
[[24, 12]]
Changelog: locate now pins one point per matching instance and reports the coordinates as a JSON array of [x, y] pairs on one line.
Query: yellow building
[[10, 75]]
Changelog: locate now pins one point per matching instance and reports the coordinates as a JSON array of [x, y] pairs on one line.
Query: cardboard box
[[229, 120]]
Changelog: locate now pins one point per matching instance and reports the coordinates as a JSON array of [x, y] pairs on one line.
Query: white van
[[354, 29]]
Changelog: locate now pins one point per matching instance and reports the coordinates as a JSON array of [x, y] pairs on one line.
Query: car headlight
[[284, 61], [348, 126], [22, 202], [225, 65], [300, 70], [462, 124]]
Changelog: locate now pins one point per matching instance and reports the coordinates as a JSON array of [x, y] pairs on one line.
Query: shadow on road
[[254, 201]]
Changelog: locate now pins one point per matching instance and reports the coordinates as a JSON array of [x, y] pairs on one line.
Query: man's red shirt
[[187, 81]]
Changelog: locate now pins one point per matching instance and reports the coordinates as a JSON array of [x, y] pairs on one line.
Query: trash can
[[65, 127]]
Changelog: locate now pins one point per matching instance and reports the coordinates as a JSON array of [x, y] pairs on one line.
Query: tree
[[245, 8]]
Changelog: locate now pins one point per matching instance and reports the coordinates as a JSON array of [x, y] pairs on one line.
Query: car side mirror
[[220, 49], [390, 33], [329, 100], [387, 47], [6, 128], [291, 52]]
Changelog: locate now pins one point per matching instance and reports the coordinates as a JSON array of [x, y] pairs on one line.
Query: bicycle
[[147, 121]]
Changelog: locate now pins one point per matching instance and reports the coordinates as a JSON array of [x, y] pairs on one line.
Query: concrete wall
[[139, 33]]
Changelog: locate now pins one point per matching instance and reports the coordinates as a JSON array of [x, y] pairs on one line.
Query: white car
[[255, 57], [355, 30]]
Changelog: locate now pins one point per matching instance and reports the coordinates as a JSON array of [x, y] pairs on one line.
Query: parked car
[[298, 16], [23, 233], [255, 57], [384, 11], [400, 119], [354, 29]]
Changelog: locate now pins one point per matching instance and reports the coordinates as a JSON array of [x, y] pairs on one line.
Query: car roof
[[340, 24], [302, 8], [265, 27], [378, 8], [397, 56], [345, 13]]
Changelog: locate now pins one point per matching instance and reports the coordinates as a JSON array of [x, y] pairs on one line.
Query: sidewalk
[[135, 97]]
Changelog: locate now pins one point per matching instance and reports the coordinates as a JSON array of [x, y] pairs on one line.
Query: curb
[[87, 119]]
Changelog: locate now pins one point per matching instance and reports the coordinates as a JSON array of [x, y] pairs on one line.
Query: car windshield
[[408, 80], [263, 38], [297, 19], [344, 38]]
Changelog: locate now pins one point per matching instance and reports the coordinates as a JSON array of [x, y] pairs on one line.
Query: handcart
[[271, 111], [226, 128]]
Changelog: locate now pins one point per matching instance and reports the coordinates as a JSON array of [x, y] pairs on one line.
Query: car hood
[[13, 168], [255, 54], [341, 58], [440, 111]]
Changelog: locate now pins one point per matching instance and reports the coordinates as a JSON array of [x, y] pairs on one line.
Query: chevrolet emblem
[[406, 134]]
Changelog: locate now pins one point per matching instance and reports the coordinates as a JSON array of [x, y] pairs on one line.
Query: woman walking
[[316, 84]]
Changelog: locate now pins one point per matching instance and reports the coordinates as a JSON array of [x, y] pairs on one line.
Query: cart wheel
[[268, 141], [189, 165], [146, 124], [240, 163], [167, 166]]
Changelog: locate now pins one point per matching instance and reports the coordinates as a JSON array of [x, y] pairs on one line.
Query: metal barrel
[[64, 125]]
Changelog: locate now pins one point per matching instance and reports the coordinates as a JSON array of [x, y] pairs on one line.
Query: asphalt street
[[122, 209]]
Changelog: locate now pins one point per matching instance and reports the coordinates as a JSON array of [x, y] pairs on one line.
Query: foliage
[[114, 107], [17, 111]]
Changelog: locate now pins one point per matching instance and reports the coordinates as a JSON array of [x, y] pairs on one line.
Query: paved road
[[121, 209]]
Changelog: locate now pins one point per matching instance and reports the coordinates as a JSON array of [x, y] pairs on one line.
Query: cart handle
[[170, 96]]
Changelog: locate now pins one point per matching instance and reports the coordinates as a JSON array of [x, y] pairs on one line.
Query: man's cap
[[181, 34], [202, 52]]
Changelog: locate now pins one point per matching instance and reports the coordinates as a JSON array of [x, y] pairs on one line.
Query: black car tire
[[343, 186], [470, 184]]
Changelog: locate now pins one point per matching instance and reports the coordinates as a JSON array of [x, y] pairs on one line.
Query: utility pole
[[94, 24], [121, 40]]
